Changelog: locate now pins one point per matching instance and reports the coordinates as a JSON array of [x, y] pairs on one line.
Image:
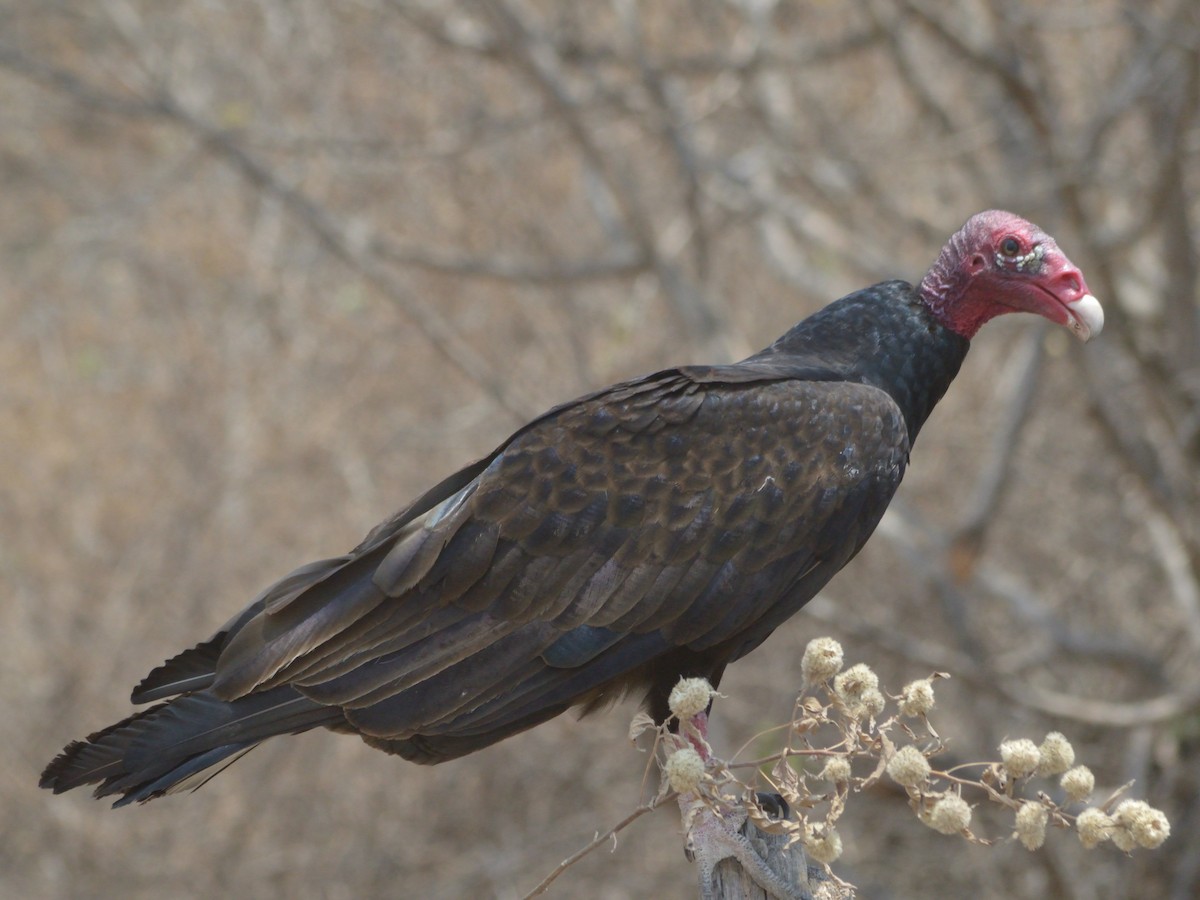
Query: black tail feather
[[165, 747], [191, 670], [189, 774]]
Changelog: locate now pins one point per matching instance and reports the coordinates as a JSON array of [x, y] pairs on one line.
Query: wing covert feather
[[681, 510]]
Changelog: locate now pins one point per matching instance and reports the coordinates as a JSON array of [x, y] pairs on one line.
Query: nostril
[[1071, 283]]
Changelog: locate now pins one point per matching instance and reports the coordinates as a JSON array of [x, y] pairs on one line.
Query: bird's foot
[[713, 837]]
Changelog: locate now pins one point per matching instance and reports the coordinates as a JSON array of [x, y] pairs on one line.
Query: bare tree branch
[[334, 237]]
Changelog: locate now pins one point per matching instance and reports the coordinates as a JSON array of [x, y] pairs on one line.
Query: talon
[[773, 804]]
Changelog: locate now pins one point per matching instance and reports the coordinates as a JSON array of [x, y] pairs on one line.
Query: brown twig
[[598, 841]]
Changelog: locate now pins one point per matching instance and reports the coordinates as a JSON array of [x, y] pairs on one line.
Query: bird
[[657, 528]]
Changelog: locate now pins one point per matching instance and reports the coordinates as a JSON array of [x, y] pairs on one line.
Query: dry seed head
[[856, 681], [950, 815], [1057, 755], [822, 660], [684, 769], [837, 770], [1094, 827], [1078, 782], [1031, 824], [873, 701], [1021, 757], [690, 697], [858, 690], [1122, 838], [908, 767], [1147, 826], [823, 844], [917, 698]]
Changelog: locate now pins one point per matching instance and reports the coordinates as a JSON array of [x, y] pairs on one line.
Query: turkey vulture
[[664, 526]]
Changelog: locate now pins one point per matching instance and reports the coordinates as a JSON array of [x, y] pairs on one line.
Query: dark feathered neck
[[884, 336]]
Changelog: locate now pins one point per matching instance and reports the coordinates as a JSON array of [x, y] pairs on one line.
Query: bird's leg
[[713, 835], [695, 730]]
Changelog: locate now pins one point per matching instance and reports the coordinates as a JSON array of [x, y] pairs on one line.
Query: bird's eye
[[1010, 246]]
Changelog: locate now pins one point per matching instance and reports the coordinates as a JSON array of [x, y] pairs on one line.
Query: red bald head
[[999, 263]]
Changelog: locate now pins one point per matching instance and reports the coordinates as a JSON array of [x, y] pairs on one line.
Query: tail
[[172, 746]]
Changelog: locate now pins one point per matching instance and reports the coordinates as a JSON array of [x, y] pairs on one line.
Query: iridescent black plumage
[[659, 527]]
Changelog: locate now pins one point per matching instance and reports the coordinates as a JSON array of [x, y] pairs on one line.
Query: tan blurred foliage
[[269, 268]]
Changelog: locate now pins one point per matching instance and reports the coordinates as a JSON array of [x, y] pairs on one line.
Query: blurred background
[[269, 268]]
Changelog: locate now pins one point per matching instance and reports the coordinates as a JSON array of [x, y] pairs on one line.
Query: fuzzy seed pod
[[690, 697], [1056, 755], [1021, 757], [1031, 824], [856, 681], [837, 770], [684, 769], [823, 844], [1094, 827], [917, 698], [1147, 826], [822, 660], [858, 690], [1079, 783], [908, 767], [873, 702], [950, 815], [1122, 839]]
